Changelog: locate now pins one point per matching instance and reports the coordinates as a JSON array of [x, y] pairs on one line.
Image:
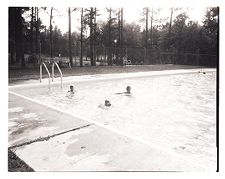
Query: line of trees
[[29, 35]]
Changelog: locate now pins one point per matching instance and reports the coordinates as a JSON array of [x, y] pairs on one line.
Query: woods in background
[[111, 38]]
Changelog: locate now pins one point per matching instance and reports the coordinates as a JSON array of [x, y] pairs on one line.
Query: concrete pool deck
[[84, 146]]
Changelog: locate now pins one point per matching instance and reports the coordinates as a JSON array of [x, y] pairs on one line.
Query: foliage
[[179, 35]]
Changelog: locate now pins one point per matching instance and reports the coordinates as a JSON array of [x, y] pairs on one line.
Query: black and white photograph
[[113, 88]]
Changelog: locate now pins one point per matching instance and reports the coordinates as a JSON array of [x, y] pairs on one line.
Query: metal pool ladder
[[53, 65], [47, 72], [49, 76]]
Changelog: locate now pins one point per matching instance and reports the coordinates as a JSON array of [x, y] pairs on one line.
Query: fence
[[187, 58], [145, 56], [138, 56]]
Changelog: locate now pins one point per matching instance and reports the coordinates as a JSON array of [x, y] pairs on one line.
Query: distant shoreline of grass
[[34, 73]]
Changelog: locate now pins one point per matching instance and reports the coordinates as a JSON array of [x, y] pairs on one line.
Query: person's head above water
[[128, 89], [107, 103], [71, 88]]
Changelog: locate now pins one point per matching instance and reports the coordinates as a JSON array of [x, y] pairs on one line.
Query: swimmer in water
[[128, 91], [201, 71], [71, 92], [106, 105]]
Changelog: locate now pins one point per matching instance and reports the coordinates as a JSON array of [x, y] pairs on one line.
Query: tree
[[37, 30], [211, 29], [91, 25], [145, 14], [51, 44], [91, 22], [16, 34], [109, 31], [178, 31], [70, 51], [81, 37], [12, 22], [120, 36], [192, 37], [32, 31], [132, 35]]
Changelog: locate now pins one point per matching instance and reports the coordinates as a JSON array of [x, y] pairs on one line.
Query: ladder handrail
[[53, 65], [49, 76]]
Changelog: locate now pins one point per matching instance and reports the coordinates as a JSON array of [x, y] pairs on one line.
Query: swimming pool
[[176, 113]]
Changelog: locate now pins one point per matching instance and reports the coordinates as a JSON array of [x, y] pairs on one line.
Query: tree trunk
[[70, 50], [146, 28], [51, 33], [110, 41], [169, 35], [32, 31], [121, 27], [81, 38], [19, 37], [11, 34], [37, 31], [95, 40], [92, 38], [151, 30]]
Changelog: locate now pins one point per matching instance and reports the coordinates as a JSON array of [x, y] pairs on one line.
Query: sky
[[131, 14]]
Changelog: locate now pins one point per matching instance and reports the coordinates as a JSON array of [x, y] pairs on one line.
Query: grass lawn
[[28, 73]]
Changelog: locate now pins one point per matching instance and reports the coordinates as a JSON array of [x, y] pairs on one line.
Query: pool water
[[176, 112]]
